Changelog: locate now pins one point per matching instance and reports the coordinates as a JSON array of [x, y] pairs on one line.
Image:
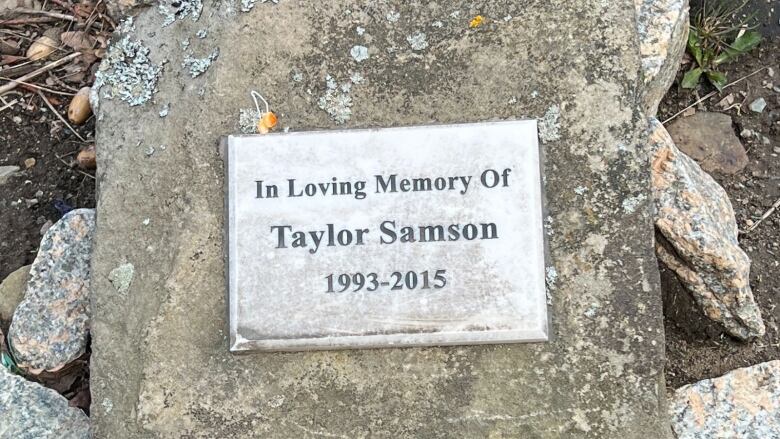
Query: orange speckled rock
[[50, 326], [743, 404], [695, 216]]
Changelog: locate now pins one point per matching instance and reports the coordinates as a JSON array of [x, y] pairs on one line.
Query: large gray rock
[[743, 404], [12, 292], [160, 364], [51, 325], [663, 34], [699, 238], [30, 411]]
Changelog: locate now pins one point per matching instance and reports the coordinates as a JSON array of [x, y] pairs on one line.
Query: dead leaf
[[77, 40]]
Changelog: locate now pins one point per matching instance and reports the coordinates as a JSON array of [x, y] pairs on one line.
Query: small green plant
[[715, 38]]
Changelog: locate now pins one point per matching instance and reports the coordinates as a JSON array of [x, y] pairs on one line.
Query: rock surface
[[699, 238], [30, 411], [160, 365], [12, 291], [663, 34], [709, 138], [743, 404], [51, 325]]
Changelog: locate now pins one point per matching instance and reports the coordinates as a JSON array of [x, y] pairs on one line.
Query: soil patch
[[29, 130], [696, 347]]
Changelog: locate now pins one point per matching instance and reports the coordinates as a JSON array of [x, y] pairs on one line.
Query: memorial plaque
[[411, 236]]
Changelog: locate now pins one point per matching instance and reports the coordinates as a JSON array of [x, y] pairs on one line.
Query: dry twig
[[45, 13], [38, 87], [15, 82], [33, 20], [57, 113], [766, 215], [711, 94]]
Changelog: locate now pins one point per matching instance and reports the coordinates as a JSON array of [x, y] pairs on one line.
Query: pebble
[[50, 326], [31, 411], [12, 291], [747, 134], [29, 163], [776, 149], [758, 105], [46, 226], [7, 171]]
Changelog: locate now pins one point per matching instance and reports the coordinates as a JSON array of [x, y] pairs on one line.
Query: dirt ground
[[32, 131], [697, 348]]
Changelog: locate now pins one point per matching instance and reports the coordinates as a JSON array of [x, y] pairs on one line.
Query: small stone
[[359, 53], [696, 219], [747, 134], [776, 149], [726, 102], [771, 72], [765, 141], [758, 105], [31, 202], [743, 404], [29, 163], [7, 171], [31, 411], [709, 139], [50, 326], [46, 226], [12, 292]]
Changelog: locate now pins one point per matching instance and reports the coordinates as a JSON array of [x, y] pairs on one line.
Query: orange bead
[[266, 122]]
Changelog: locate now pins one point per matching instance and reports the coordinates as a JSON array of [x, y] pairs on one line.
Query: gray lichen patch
[[549, 125], [127, 72], [418, 41], [247, 120], [197, 66], [247, 5], [121, 277], [336, 101], [179, 9], [359, 53]]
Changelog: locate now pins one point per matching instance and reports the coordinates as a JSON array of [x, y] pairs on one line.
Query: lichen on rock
[[336, 101], [126, 73], [179, 9], [197, 66], [696, 221]]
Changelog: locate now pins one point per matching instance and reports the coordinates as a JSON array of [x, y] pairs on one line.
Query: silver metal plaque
[[414, 236]]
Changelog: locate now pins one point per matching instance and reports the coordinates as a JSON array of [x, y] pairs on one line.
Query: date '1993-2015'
[[410, 280]]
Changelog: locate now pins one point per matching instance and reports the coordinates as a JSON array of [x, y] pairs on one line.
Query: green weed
[[715, 38]]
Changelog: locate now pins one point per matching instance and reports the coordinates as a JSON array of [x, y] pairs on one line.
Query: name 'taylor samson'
[[389, 233], [490, 178]]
